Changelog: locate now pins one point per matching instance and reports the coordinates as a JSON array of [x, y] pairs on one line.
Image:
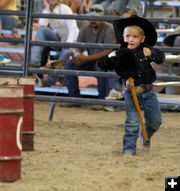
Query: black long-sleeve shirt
[[147, 74]]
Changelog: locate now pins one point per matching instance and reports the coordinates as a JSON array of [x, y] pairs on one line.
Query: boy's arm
[[154, 55]]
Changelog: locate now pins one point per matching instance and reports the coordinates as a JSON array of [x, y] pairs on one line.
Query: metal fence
[[29, 15]]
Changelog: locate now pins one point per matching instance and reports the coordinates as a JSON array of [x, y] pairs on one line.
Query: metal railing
[[25, 71]]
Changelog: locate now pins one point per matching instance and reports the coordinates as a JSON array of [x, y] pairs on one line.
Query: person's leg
[[72, 82], [177, 41], [105, 85], [114, 84], [50, 80], [115, 90], [8, 22], [0, 24], [117, 5], [152, 112], [39, 54], [105, 3], [131, 125], [101, 84], [136, 5], [65, 54]]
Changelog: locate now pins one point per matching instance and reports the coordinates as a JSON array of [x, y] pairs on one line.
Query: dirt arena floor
[[80, 150]]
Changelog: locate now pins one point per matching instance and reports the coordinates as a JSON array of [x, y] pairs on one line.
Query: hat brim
[[148, 28], [169, 40]]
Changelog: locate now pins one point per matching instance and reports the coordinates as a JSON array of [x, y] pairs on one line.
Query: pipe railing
[[58, 72], [174, 50], [28, 43], [171, 20], [89, 101]]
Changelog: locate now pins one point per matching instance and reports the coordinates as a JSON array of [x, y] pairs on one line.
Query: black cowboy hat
[[169, 40], [148, 28]]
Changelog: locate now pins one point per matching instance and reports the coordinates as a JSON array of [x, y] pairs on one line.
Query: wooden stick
[[136, 103]]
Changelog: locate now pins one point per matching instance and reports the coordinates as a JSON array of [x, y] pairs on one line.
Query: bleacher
[[18, 48]]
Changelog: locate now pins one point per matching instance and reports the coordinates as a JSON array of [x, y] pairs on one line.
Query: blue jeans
[[152, 116], [120, 5], [103, 84], [8, 22], [40, 54]]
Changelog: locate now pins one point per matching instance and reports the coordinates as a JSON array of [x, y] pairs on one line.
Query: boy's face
[[133, 36]]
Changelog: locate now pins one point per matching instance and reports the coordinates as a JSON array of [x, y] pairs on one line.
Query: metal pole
[[28, 35], [90, 101]]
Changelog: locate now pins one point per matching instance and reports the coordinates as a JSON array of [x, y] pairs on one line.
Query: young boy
[[137, 59]]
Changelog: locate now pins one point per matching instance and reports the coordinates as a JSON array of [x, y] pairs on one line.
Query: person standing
[[138, 59]]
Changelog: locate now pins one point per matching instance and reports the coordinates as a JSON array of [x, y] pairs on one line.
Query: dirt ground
[[80, 150]]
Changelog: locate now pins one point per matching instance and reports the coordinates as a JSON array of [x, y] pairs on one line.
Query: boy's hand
[[129, 84], [147, 52]]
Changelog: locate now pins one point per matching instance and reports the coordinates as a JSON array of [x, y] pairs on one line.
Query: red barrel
[[28, 118], [11, 117]]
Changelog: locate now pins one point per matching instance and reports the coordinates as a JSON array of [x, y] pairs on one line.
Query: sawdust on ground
[[80, 150]]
